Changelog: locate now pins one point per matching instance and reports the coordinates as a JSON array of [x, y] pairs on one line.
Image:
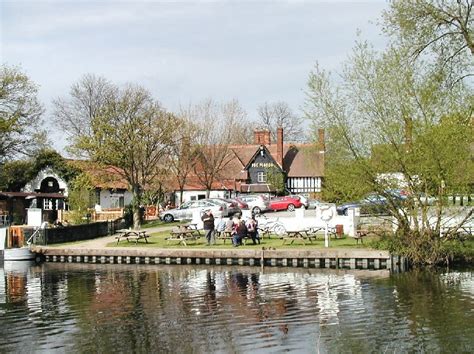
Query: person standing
[[208, 225]]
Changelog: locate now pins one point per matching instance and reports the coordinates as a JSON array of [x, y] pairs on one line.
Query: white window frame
[[261, 177]]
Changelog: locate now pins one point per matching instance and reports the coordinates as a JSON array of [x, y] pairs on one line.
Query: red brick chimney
[[321, 143], [280, 146], [261, 137]]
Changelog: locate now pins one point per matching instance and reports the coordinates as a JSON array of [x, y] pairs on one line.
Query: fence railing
[[78, 232]]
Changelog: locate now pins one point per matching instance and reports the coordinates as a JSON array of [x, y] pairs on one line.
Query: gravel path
[[102, 242]]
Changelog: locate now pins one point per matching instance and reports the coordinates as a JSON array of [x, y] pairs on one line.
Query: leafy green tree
[[437, 31], [15, 174], [20, 115], [390, 115], [81, 198], [276, 180], [128, 130]]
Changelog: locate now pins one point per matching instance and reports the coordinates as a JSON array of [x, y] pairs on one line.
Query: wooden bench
[[182, 235], [132, 235]]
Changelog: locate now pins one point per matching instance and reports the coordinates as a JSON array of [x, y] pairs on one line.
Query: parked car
[[312, 204], [426, 199], [289, 203], [373, 203], [303, 200], [185, 211], [257, 203], [232, 206], [241, 204]]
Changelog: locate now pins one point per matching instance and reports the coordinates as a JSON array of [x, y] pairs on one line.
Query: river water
[[61, 307]]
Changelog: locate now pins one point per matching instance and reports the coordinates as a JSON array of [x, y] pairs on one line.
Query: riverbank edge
[[315, 258]]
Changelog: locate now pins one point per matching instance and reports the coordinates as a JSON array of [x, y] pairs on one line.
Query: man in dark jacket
[[208, 223]]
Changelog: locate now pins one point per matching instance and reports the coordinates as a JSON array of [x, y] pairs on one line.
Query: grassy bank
[[158, 240]]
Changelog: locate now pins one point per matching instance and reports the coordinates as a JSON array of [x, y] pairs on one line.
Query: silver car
[[257, 203], [232, 207], [186, 210]]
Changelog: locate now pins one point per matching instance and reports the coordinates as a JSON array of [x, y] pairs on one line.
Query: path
[[102, 242]]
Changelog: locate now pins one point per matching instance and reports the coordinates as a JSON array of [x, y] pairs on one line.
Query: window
[[117, 201], [47, 204], [261, 177]]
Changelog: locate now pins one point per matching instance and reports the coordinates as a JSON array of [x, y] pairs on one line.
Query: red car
[[285, 203]]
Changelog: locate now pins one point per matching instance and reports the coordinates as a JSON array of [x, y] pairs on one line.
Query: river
[[65, 307]]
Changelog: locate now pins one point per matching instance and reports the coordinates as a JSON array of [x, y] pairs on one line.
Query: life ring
[[326, 212]]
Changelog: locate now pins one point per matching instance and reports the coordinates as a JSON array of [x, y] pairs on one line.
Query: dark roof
[[299, 160], [31, 195]]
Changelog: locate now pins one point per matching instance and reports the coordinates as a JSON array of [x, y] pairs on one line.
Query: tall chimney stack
[[280, 146], [261, 137], [321, 143]]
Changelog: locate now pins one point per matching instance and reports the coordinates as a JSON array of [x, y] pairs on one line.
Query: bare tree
[[86, 101], [279, 114], [219, 126], [182, 158]]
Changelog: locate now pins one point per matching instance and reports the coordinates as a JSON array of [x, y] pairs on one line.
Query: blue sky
[[185, 51]]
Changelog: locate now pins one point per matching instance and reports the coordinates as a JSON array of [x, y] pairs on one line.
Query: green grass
[[156, 223], [157, 240]]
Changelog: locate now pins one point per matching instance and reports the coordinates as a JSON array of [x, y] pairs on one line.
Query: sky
[[187, 51]]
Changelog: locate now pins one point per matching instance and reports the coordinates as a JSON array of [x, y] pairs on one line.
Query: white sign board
[[34, 217]]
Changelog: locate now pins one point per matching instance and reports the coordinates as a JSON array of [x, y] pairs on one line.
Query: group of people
[[238, 228]]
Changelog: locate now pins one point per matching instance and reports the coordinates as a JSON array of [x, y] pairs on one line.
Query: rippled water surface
[[139, 308]]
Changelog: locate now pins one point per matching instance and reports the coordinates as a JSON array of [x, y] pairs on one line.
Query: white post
[[326, 236]]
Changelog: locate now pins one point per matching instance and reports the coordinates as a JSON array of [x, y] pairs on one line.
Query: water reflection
[[132, 308]]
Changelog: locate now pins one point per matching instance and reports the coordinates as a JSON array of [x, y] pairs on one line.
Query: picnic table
[[292, 235], [192, 226], [224, 235], [130, 234], [182, 235]]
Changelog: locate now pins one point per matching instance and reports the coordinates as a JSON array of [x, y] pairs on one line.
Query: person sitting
[[239, 232], [252, 230]]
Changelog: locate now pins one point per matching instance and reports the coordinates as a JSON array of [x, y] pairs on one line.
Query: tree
[[279, 114], [184, 151], [128, 130], [219, 127], [81, 198], [439, 30], [20, 115], [88, 98], [16, 174], [389, 115]]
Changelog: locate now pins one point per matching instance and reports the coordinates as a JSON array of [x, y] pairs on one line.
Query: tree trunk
[[136, 207]]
